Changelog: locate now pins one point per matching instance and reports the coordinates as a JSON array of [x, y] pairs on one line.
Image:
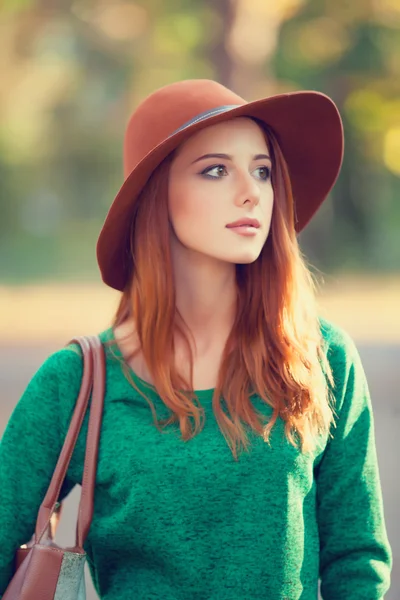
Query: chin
[[247, 258]]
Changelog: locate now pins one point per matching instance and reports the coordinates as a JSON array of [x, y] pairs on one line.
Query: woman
[[269, 481]]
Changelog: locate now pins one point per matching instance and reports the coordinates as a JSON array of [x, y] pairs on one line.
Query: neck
[[206, 299]]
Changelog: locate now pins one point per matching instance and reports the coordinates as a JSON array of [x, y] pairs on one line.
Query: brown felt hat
[[307, 125]]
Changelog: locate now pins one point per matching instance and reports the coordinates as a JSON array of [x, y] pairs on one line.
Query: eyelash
[[206, 171]]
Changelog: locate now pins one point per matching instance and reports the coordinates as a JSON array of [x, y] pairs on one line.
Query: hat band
[[206, 115]]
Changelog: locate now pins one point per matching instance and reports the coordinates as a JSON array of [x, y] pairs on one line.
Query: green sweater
[[185, 521]]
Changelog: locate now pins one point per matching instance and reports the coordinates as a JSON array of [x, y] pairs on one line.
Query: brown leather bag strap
[[93, 378], [85, 513]]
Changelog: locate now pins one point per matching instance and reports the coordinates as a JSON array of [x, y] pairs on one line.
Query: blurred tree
[[349, 50], [216, 50], [63, 95]]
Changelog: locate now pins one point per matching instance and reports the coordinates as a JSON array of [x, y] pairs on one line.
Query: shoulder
[[49, 395], [345, 362], [57, 381], [66, 363], [339, 346], [60, 378], [62, 365]]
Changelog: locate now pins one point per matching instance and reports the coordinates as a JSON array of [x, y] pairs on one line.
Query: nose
[[248, 190]]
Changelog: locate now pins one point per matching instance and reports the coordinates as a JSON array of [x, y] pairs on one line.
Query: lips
[[244, 223]]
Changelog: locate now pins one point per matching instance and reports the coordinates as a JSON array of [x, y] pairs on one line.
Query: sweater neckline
[[109, 336]]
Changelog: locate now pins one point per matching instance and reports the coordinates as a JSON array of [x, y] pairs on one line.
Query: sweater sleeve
[[29, 450], [355, 555]]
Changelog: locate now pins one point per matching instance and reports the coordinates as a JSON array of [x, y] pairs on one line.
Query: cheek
[[267, 203], [188, 207]]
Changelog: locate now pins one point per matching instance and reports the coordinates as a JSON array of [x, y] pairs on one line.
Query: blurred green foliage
[[350, 51], [73, 71]]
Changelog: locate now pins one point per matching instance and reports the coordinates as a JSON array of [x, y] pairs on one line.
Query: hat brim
[[309, 131]]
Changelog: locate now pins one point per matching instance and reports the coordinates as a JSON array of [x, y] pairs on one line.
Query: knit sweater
[[185, 521]]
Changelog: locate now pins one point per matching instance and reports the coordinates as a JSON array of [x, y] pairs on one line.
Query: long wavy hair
[[275, 348]]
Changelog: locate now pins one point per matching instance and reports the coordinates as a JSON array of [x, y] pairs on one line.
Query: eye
[[220, 170], [265, 173]]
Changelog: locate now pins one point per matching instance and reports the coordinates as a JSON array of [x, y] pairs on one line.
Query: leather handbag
[[44, 570]]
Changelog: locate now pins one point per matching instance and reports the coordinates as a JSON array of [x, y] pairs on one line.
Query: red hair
[[275, 348]]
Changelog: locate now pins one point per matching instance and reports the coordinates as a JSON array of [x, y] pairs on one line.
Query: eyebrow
[[229, 157]]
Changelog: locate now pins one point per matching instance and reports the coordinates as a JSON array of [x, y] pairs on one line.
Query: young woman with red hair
[[237, 454]]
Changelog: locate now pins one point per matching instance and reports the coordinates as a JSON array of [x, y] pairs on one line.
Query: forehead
[[223, 136]]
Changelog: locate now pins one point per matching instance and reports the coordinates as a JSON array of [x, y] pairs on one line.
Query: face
[[220, 175]]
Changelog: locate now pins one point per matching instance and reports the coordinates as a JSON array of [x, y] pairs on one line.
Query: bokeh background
[[70, 74]]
